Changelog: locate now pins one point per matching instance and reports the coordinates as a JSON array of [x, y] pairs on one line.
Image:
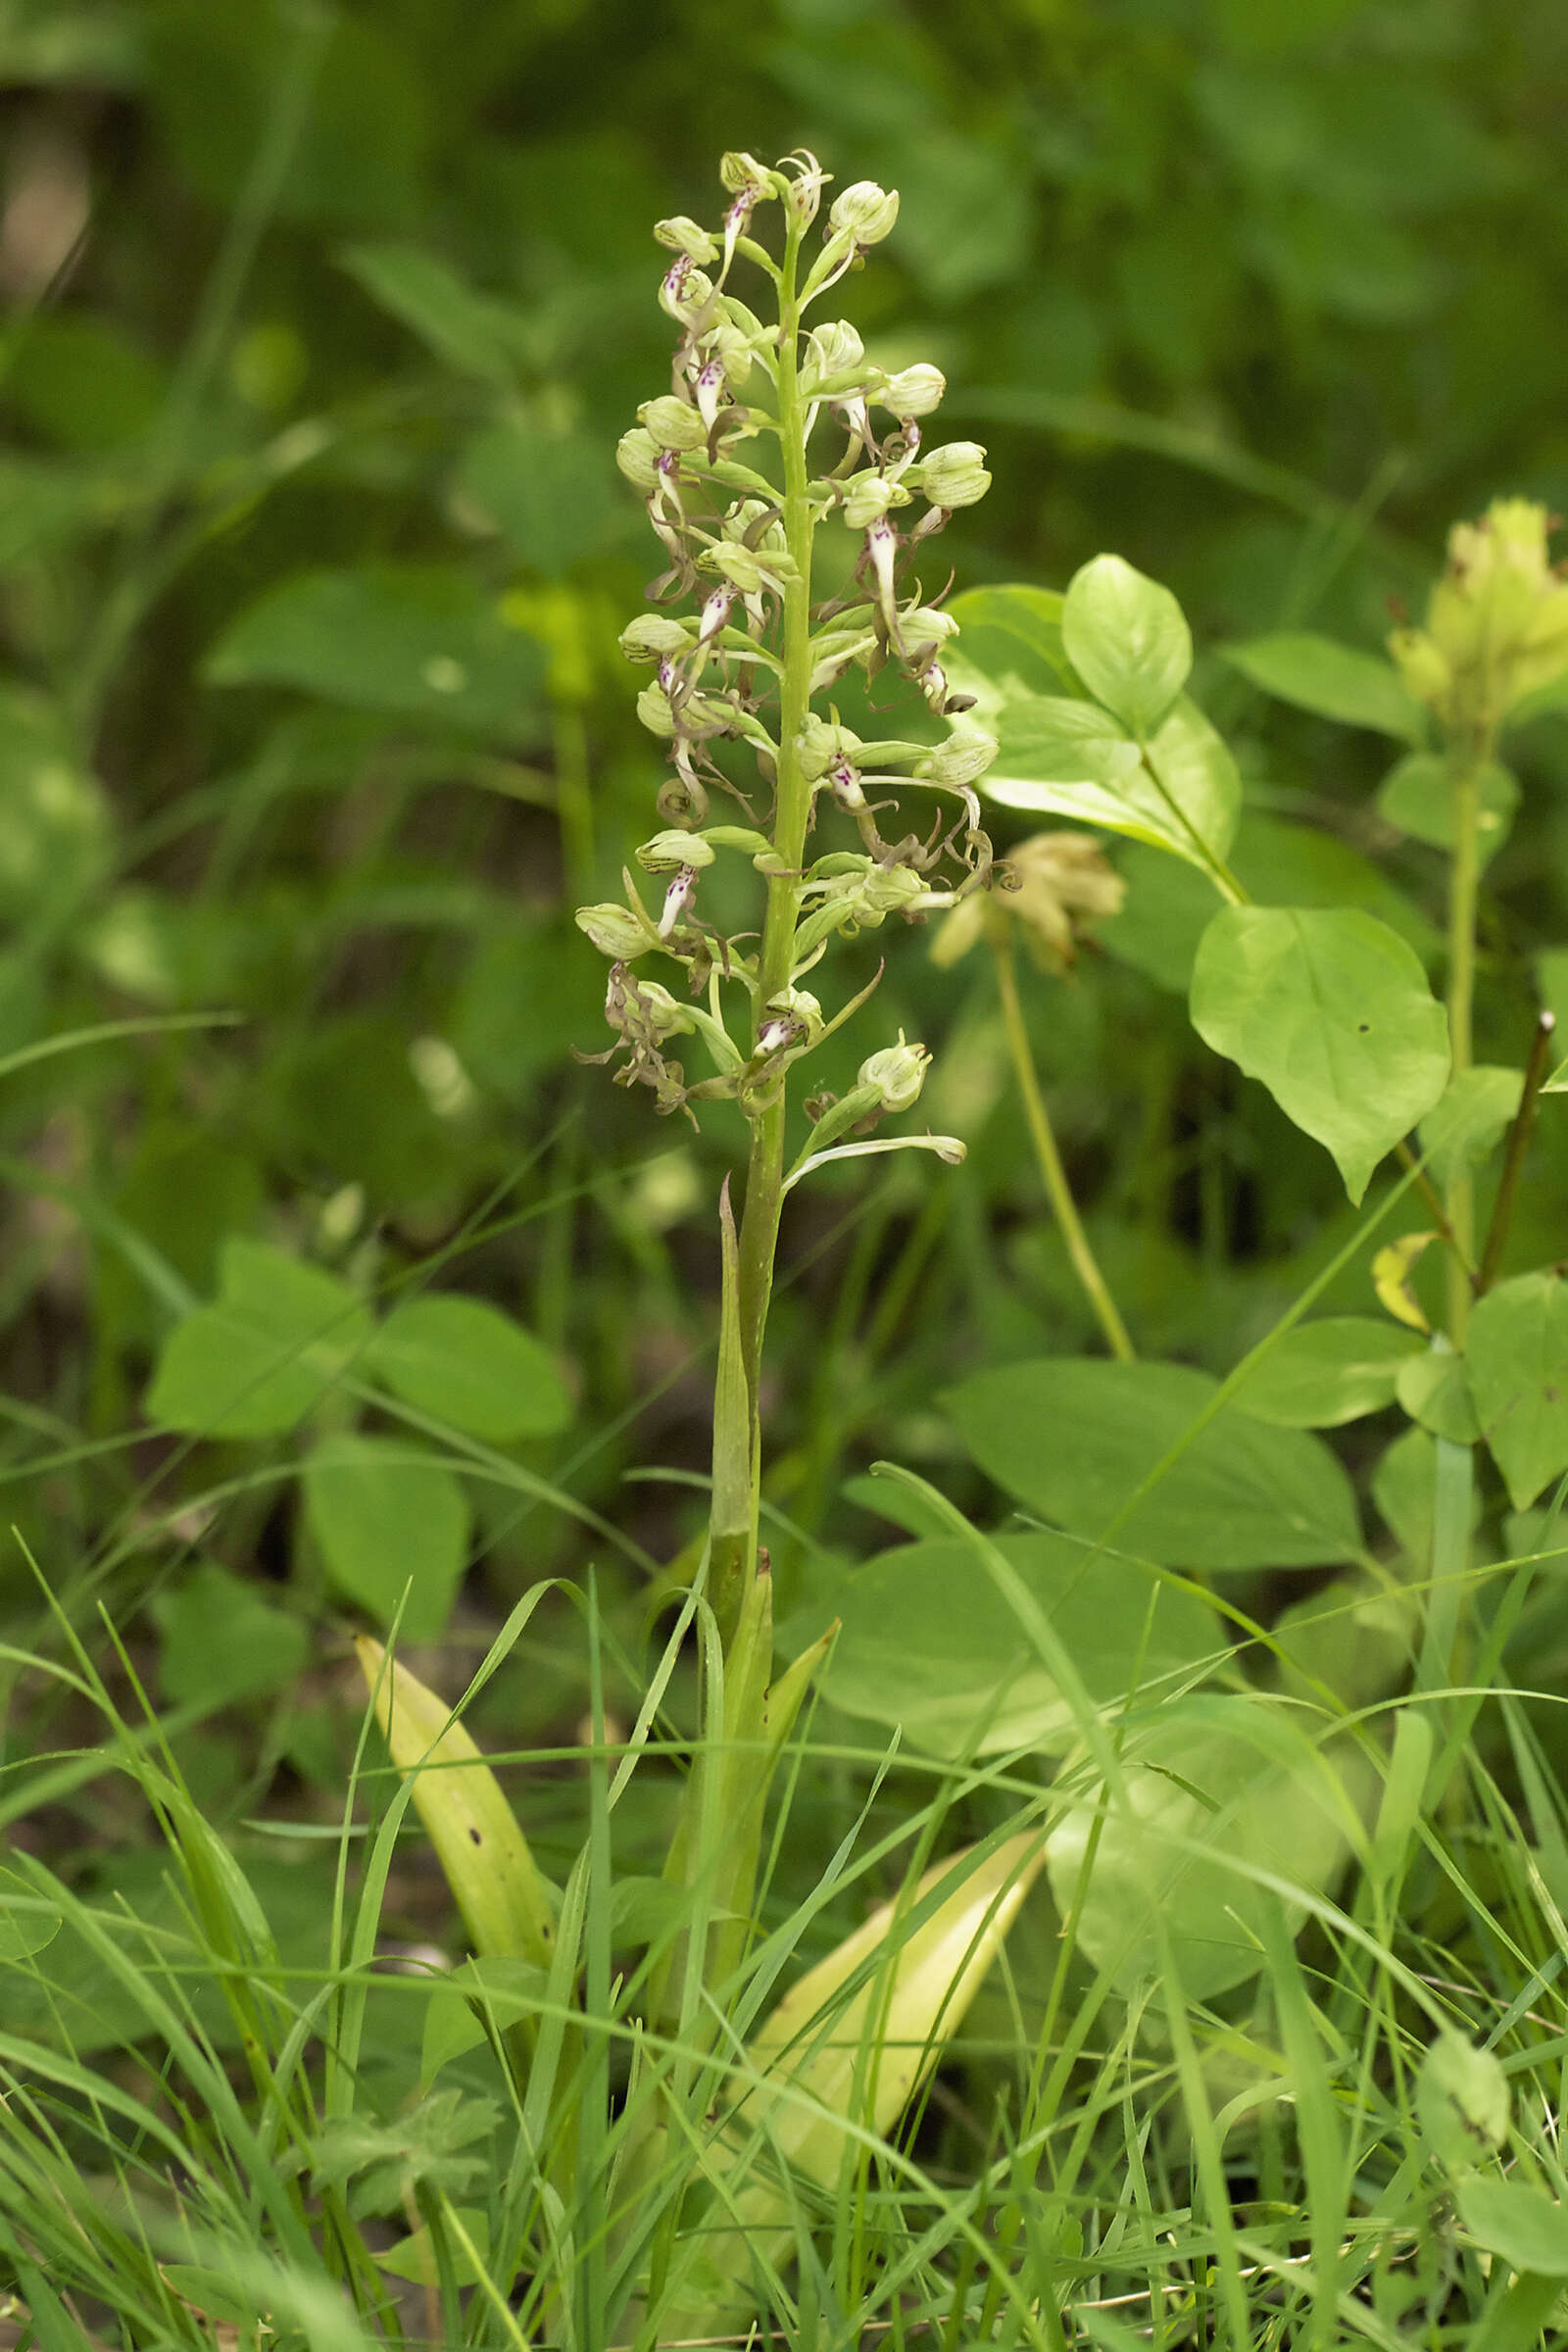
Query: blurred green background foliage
[[320, 329]]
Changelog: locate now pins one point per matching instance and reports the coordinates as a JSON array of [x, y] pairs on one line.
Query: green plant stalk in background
[[1468, 759], [1052, 1175]]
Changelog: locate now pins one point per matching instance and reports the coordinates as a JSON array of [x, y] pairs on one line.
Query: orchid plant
[[745, 657]]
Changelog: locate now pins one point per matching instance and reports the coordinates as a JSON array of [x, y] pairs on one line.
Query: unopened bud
[[656, 1011], [669, 851], [831, 350], [749, 568], [653, 637], [926, 624], [887, 889], [653, 709], [953, 476], [637, 456], [791, 1020], [674, 423], [913, 391], [683, 235], [865, 212], [963, 760], [685, 292], [614, 930], [898, 1073], [1423, 666], [868, 498], [819, 747], [742, 175]]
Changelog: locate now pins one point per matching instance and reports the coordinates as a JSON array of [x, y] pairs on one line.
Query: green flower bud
[[1423, 666], [819, 747], [674, 423], [831, 350], [683, 235], [653, 709], [686, 292], [741, 171], [953, 476], [615, 931], [898, 1073], [1498, 617], [887, 889], [658, 1014], [913, 391], [865, 212], [669, 851], [637, 456], [655, 637], [963, 760], [791, 1021], [868, 498], [926, 624], [749, 568]]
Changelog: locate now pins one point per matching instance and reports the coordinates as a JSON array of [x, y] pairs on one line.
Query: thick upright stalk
[[765, 1175], [1463, 877], [1053, 1174]]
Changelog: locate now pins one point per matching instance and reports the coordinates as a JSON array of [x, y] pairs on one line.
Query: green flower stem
[[1053, 1174], [765, 1175], [1513, 1159], [1463, 877]]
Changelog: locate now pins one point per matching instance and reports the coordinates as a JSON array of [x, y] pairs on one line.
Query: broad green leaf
[[25, 1926], [414, 2257], [1238, 1779], [925, 1641], [554, 495], [463, 1362], [483, 1852], [1196, 769], [221, 1641], [1528, 2229], [55, 833], [1062, 757], [1418, 797], [1054, 738], [1461, 2102], [1073, 1437], [388, 1517], [80, 381], [1331, 1011], [1517, 1354], [1282, 863], [1128, 640], [1435, 1392], [1010, 647], [505, 1991], [1474, 1113], [1404, 1487], [45, 504], [1162, 917], [256, 1362], [412, 639], [1336, 681], [474, 333], [1328, 1372], [1355, 1639]]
